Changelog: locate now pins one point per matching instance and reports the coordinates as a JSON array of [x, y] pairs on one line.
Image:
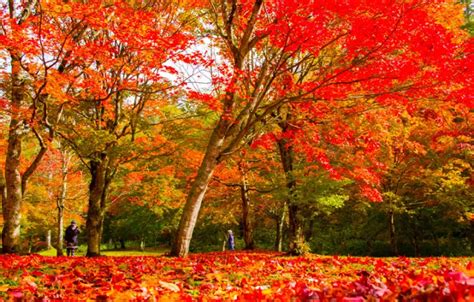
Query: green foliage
[[469, 16], [138, 223]]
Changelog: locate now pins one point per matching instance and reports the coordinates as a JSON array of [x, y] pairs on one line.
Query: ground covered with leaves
[[236, 276]]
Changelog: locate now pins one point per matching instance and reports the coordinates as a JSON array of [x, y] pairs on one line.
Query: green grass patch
[[122, 253], [113, 253]]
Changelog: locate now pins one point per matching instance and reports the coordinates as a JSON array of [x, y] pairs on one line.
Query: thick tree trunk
[[103, 204], [297, 242], [192, 207], [246, 219], [3, 191], [198, 190], [226, 129], [95, 212], [12, 205]]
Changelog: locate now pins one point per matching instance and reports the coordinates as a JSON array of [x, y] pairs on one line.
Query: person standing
[[72, 233], [230, 240]]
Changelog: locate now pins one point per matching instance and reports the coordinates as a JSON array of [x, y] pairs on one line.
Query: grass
[[113, 253]]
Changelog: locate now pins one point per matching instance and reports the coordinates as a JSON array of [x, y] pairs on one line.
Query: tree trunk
[[297, 242], [95, 212], [226, 129], [248, 228], [103, 203], [60, 203], [3, 192], [198, 190], [191, 209], [12, 205], [280, 223], [48, 240], [247, 221], [59, 241], [393, 239]]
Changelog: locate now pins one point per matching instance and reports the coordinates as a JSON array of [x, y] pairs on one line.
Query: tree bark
[[297, 241], [227, 129], [59, 241], [296, 238], [198, 190], [15, 183], [60, 203], [95, 211], [280, 223], [48, 240], [3, 191], [247, 221], [12, 205]]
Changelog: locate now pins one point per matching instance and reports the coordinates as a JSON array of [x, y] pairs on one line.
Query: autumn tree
[[30, 60], [58, 184], [122, 54], [426, 159], [241, 191], [342, 50], [154, 182]]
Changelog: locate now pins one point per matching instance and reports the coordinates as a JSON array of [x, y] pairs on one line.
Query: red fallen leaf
[[37, 273], [199, 268], [78, 273], [456, 276], [301, 279], [117, 277], [470, 266]]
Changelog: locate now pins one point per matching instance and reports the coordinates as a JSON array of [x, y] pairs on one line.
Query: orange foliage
[[237, 276]]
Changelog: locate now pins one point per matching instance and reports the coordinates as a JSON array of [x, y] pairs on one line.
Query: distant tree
[[344, 51]]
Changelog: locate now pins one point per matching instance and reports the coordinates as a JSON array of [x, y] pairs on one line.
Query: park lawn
[[113, 253], [245, 276]]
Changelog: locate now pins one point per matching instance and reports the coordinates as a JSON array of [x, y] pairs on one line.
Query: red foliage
[[237, 276]]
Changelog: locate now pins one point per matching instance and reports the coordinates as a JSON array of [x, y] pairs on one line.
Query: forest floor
[[242, 276]]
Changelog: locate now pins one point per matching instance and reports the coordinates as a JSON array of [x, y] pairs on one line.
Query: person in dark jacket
[[72, 232], [230, 240]]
